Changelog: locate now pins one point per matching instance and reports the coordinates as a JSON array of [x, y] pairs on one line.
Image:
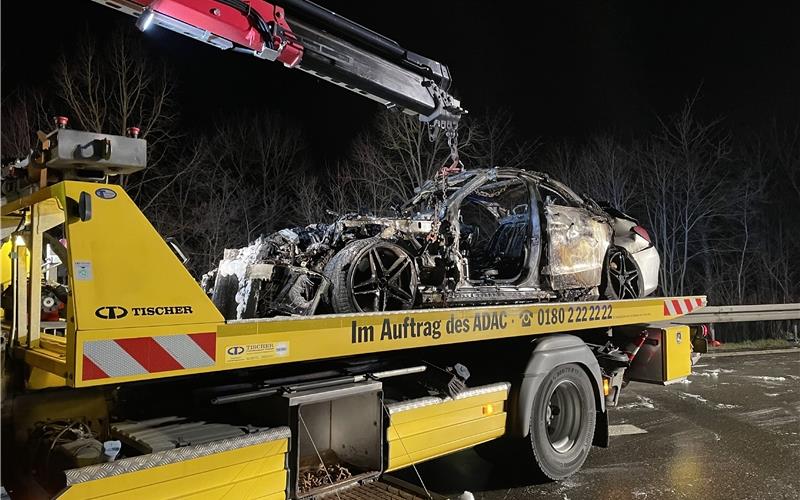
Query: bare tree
[[786, 147], [496, 144], [398, 156], [685, 185], [269, 154], [313, 202], [23, 113], [204, 209], [112, 87], [603, 169]]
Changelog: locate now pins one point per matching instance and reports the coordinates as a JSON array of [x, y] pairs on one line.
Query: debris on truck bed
[[311, 479]]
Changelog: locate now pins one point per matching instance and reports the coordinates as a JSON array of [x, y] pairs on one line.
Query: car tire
[[372, 275], [562, 423], [622, 278]]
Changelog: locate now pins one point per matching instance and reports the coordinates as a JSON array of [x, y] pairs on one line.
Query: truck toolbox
[[430, 427], [250, 466], [665, 355]]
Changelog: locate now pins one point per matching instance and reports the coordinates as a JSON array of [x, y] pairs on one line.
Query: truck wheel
[[562, 422], [372, 275]]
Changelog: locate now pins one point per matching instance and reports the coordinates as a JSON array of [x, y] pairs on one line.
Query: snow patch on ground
[[562, 489], [772, 394], [765, 416], [767, 379], [724, 406], [715, 372], [684, 395], [643, 493], [641, 402]]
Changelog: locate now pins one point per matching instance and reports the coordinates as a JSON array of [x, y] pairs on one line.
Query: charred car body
[[487, 236]]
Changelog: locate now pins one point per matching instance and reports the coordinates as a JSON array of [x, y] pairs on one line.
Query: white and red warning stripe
[[143, 355], [679, 307]]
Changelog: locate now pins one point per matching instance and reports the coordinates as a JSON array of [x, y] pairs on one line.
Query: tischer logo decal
[[105, 193], [256, 352], [161, 310], [119, 312], [235, 350], [111, 312]]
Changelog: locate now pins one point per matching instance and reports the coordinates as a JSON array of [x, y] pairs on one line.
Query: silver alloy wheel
[[383, 278], [623, 275], [563, 416]]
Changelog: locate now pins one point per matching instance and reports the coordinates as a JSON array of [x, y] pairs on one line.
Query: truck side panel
[[256, 471], [431, 427]]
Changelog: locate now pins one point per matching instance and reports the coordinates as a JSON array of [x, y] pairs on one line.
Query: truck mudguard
[[548, 353]]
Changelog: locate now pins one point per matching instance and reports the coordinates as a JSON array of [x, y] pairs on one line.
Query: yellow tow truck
[[121, 379]]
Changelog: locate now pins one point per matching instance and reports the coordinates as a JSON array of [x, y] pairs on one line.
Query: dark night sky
[[565, 69]]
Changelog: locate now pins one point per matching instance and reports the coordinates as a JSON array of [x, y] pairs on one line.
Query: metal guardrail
[[735, 314]]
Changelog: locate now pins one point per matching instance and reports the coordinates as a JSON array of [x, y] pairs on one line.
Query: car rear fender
[[626, 238]]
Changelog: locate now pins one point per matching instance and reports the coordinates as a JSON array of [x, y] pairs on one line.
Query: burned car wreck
[[486, 236]]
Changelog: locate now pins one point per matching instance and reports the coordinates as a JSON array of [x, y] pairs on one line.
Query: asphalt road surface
[[731, 432]]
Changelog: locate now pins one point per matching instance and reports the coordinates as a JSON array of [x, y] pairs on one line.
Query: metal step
[[385, 488]]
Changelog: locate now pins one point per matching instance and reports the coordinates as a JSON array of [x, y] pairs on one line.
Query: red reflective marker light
[[642, 232]]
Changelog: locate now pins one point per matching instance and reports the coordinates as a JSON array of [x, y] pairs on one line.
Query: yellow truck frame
[[135, 314]]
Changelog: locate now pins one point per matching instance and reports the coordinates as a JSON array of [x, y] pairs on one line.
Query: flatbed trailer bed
[[270, 342]]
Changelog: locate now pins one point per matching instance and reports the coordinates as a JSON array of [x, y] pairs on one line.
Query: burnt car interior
[[496, 231], [550, 195]]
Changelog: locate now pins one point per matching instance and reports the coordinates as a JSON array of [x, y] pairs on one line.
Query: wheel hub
[[383, 279], [623, 275], [563, 416]]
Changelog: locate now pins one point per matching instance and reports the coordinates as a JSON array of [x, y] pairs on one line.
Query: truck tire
[[372, 275], [562, 422]]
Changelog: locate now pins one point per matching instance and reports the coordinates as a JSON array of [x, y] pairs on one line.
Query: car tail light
[[642, 232]]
